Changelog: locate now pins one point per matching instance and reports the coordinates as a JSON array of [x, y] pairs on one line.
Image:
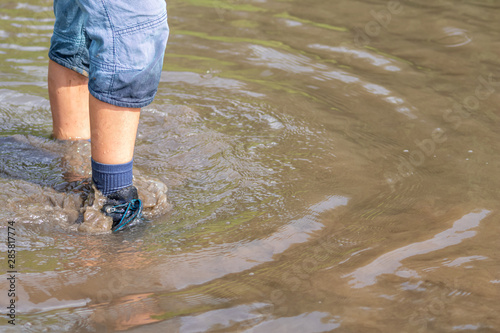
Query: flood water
[[331, 166]]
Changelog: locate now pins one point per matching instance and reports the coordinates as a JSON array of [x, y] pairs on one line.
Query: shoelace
[[130, 211]]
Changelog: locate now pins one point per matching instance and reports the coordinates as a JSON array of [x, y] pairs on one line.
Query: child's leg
[[121, 47], [126, 50], [69, 102], [68, 71], [113, 131]]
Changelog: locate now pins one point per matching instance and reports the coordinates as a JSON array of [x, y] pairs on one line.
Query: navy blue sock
[[109, 178]]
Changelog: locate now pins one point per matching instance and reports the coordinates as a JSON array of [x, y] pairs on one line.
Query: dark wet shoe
[[124, 207]]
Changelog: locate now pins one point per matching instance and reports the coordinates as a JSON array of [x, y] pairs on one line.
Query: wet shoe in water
[[124, 207]]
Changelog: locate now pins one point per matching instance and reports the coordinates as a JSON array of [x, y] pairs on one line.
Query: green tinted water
[[332, 166]]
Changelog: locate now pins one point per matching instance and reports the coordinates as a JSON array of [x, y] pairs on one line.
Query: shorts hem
[[69, 65], [112, 101]]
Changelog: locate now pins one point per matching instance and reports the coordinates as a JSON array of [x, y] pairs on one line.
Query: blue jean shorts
[[118, 44]]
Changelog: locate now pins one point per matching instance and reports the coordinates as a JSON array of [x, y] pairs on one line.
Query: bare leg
[[113, 131], [113, 128], [69, 101]]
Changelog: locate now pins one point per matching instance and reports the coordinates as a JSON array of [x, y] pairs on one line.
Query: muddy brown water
[[331, 166]]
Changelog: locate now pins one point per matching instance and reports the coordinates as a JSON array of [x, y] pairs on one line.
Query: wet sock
[[109, 178]]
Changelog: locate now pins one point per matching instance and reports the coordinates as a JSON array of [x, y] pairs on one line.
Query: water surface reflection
[[330, 167]]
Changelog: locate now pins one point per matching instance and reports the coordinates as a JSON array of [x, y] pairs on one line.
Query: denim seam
[[110, 68], [114, 49], [81, 46], [65, 37], [140, 26]]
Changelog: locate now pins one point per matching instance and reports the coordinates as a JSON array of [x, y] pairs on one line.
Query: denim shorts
[[118, 44]]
